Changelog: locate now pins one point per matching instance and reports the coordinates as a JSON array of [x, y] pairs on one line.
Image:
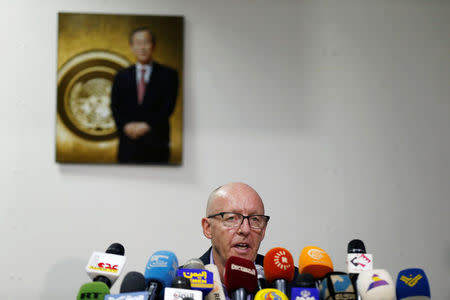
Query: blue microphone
[[159, 272], [412, 284], [304, 288], [337, 285]]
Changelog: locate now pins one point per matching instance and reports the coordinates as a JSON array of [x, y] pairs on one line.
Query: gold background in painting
[[91, 48]]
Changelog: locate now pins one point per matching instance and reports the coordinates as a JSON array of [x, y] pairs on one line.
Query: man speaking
[[143, 97], [235, 223]]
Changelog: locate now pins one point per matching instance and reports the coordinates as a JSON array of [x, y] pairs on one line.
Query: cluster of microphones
[[277, 279]]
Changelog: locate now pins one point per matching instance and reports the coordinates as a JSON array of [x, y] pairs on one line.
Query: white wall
[[337, 112]]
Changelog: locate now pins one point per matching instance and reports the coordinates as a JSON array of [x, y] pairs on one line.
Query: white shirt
[[148, 72]]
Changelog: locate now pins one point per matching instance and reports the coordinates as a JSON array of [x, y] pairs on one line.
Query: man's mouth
[[242, 246]]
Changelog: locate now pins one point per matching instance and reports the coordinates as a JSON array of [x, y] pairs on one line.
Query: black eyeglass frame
[[243, 218]]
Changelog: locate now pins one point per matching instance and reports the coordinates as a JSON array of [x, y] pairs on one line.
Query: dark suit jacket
[[158, 104], [205, 258]]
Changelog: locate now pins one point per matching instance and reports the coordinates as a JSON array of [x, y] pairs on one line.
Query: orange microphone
[[279, 268], [315, 261]]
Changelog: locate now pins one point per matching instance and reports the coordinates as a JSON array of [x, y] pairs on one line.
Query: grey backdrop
[[337, 112]]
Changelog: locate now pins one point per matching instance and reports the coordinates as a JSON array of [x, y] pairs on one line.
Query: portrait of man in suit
[[143, 97]]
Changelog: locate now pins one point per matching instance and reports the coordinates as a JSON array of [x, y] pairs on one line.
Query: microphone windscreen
[[93, 290], [412, 283], [279, 264], [305, 280], [194, 263], [161, 267], [315, 261], [270, 294], [217, 291], [180, 282], [133, 282], [240, 273], [116, 248], [337, 285], [356, 246], [375, 285]]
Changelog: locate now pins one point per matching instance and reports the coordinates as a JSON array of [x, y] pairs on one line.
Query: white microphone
[[217, 291], [106, 267], [376, 285]]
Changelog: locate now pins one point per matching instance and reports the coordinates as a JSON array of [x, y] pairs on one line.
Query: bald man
[[235, 223]]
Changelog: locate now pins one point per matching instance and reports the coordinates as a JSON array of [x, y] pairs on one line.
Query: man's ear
[[206, 228]]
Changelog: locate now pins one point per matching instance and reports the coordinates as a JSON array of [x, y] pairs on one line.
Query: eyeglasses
[[230, 219]]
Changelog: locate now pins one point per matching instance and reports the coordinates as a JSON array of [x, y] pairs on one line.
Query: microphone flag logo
[[272, 296], [410, 281], [377, 281], [315, 254], [281, 260]]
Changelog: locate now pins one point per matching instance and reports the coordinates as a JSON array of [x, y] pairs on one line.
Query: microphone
[[413, 284], [240, 277], [217, 291], [271, 294], [132, 288], [180, 290], [262, 284], [159, 272], [133, 282], [337, 285], [375, 285], [201, 279], [315, 261], [357, 258], [180, 282], [194, 263], [106, 267], [93, 290], [279, 268], [304, 288]]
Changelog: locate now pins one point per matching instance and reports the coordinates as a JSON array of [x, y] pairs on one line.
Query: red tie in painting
[[141, 87]]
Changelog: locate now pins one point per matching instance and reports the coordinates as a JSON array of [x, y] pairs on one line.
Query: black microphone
[[133, 282]]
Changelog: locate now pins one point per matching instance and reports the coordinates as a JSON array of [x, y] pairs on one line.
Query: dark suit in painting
[[157, 106]]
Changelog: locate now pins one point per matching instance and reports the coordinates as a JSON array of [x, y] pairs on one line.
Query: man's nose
[[245, 226]]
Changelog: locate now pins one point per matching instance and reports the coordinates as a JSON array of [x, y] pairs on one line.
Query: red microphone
[[240, 277], [279, 268]]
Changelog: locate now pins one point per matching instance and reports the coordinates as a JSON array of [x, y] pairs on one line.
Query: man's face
[[142, 46], [240, 241]]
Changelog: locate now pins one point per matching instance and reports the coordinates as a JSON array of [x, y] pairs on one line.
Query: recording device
[[304, 288], [412, 284], [132, 288], [240, 277], [180, 282], [357, 258], [279, 268], [315, 261], [133, 282], [262, 284], [337, 285], [194, 263], [217, 291], [271, 294], [159, 272], [201, 279], [181, 290], [375, 285], [106, 267], [93, 290]]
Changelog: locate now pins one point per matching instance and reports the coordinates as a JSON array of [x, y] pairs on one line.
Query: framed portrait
[[119, 89]]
